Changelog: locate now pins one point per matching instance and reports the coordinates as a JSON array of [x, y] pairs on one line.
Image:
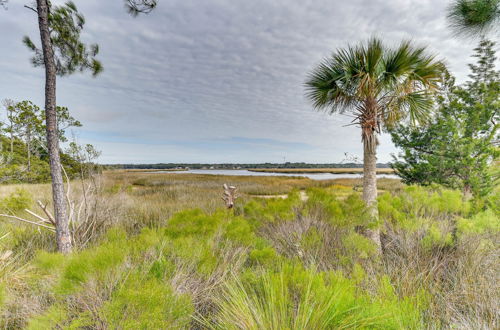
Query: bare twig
[[27, 221], [47, 213], [68, 194], [37, 216], [31, 8]]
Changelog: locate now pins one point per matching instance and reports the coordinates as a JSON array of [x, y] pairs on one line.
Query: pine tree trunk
[[11, 140], [28, 145], [370, 186], [63, 235]]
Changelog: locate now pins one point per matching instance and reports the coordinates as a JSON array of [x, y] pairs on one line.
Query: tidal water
[[314, 176]]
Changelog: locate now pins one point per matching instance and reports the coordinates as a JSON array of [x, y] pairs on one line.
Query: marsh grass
[[169, 253]]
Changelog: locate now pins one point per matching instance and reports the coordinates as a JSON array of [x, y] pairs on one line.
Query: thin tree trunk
[[466, 192], [11, 140], [63, 235], [28, 145], [370, 186]]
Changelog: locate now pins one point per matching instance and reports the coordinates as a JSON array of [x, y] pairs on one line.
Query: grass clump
[[298, 298]]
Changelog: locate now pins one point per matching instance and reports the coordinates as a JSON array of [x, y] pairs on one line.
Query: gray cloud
[[213, 70]]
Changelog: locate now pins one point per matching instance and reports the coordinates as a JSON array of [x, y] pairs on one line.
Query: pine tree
[[62, 53], [456, 148]]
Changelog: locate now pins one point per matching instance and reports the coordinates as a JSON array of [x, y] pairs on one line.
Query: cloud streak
[[197, 80]]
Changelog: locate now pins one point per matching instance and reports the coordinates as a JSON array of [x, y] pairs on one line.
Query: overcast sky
[[218, 80]]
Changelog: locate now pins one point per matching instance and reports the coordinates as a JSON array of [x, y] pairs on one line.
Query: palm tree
[[380, 86], [474, 18]]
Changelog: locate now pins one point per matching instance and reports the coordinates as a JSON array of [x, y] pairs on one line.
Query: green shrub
[[161, 269], [272, 209], [483, 222], [359, 246], [49, 262], [240, 231], [408, 208], [435, 237], [312, 240], [17, 201], [54, 317], [193, 223], [93, 263], [147, 304], [264, 256], [326, 206]]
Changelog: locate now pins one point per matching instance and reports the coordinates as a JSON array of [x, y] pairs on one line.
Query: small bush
[[273, 209], [191, 223], [17, 201], [483, 222], [359, 246], [147, 304]]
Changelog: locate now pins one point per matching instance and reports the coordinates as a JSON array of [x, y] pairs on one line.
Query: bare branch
[[31, 8], [229, 196], [27, 221], [37, 216], [49, 216]]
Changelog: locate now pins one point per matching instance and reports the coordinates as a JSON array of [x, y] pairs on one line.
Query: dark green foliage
[[456, 148], [66, 25], [23, 148], [14, 169], [474, 17]]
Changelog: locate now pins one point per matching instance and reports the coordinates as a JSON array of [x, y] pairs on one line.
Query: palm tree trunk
[[370, 186], [63, 235]]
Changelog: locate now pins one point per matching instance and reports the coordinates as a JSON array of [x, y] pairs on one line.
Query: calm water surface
[[314, 176]]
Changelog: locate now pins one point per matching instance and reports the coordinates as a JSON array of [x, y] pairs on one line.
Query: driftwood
[[229, 196]]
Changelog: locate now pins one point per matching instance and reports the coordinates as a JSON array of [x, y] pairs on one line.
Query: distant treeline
[[237, 166]]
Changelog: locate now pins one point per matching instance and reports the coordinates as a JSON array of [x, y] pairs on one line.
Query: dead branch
[[31, 8], [27, 221], [37, 216], [47, 213], [229, 196], [68, 196]]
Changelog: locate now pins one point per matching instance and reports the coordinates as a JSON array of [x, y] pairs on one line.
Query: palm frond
[[474, 18], [379, 85]]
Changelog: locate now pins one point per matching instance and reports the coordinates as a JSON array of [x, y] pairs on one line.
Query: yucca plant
[[474, 18], [380, 86]]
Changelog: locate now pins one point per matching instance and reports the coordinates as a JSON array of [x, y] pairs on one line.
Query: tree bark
[[63, 235], [11, 139], [467, 192], [370, 186], [28, 145]]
